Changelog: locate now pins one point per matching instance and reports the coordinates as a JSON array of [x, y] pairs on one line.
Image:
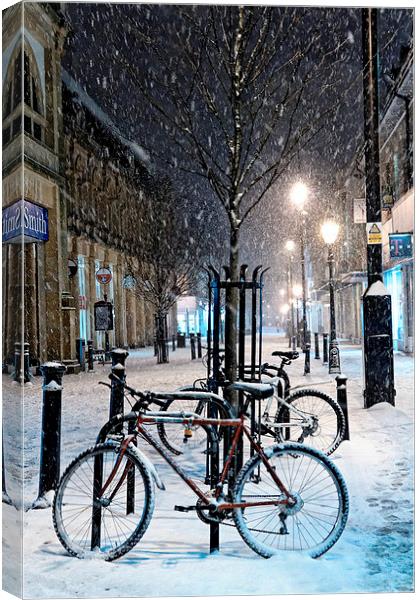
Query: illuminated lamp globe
[[329, 231]]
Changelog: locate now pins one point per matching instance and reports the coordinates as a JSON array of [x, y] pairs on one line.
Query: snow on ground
[[374, 554]]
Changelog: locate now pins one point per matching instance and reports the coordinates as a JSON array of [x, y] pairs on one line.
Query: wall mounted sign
[[374, 233], [129, 282], [72, 267], [400, 245], [104, 275], [27, 220], [359, 210], [104, 318]]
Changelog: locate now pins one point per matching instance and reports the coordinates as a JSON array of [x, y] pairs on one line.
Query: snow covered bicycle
[[286, 497], [300, 415]]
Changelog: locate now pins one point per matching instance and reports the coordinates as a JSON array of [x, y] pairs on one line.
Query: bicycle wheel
[[175, 437], [327, 428], [317, 519], [91, 526]]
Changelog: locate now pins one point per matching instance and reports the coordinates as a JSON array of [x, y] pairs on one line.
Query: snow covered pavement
[[374, 554]]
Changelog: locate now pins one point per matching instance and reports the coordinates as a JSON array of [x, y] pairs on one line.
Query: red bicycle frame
[[238, 424]]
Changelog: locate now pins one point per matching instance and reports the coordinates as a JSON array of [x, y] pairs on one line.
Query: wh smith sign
[[25, 219]]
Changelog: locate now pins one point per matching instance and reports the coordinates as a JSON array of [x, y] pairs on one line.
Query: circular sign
[[103, 275]]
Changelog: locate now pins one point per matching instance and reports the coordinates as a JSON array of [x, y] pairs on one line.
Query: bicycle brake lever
[[105, 384]]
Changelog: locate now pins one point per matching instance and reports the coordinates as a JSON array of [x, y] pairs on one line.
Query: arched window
[[28, 84]]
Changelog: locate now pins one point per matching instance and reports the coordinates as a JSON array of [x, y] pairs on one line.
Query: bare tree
[[165, 257], [235, 93]]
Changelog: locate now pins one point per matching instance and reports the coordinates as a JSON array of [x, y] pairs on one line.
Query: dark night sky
[[90, 57]]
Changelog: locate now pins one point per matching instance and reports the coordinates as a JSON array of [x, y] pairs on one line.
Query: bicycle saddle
[[258, 390], [289, 355]]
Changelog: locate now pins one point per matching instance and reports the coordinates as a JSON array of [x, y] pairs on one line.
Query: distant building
[[82, 183], [397, 196]]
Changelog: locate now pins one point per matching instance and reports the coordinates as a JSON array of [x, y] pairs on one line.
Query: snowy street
[[374, 554]]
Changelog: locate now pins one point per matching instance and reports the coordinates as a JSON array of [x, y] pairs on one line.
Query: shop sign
[[104, 318], [374, 233], [104, 275], [400, 245], [27, 220]]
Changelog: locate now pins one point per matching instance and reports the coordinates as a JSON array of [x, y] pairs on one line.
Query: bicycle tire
[[172, 435], [62, 504], [292, 463], [331, 422]]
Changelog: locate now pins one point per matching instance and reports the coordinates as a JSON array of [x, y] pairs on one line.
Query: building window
[[34, 121]]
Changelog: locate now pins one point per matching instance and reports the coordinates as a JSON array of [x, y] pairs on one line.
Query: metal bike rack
[[249, 364]]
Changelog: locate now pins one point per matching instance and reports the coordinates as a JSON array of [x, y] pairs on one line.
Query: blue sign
[[400, 245], [23, 218]]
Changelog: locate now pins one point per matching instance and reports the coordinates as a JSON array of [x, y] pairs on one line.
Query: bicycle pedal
[[183, 508]]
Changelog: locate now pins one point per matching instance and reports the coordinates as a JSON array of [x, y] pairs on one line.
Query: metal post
[[334, 353], [80, 353], [199, 350], [325, 348], [316, 336], [342, 401], [49, 470], [307, 367], [90, 355], [27, 376], [173, 343], [116, 404], [5, 496], [17, 363], [292, 306], [192, 345], [377, 314]]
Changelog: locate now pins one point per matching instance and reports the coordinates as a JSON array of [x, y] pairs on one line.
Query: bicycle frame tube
[[240, 427]]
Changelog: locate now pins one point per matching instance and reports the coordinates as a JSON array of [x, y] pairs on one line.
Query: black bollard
[[80, 353], [116, 403], [173, 343], [293, 343], [325, 348], [90, 355], [27, 376], [342, 401], [192, 343], [17, 363], [49, 470], [199, 352], [307, 367], [5, 496], [316, 336]]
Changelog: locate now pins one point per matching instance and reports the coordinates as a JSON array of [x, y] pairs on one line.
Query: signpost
[[103, 311]]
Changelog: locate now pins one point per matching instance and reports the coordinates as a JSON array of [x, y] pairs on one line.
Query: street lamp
[[290, 246], [329, 231], [298, 196]]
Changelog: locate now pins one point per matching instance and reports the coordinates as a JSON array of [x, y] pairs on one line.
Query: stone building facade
[[79, 184]]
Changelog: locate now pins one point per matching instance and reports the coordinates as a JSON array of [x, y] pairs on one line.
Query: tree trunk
[[231, 318], [161, 332]]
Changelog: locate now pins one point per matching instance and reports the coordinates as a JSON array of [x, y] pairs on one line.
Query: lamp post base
[[334, 358]]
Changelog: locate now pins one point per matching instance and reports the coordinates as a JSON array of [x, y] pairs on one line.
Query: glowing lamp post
[[329, 231], [298, 196], [290, 247]]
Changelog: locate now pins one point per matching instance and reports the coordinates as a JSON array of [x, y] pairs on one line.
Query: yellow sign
[[374, 233]]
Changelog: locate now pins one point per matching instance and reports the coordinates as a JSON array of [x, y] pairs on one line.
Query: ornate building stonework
[[82, 179]]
